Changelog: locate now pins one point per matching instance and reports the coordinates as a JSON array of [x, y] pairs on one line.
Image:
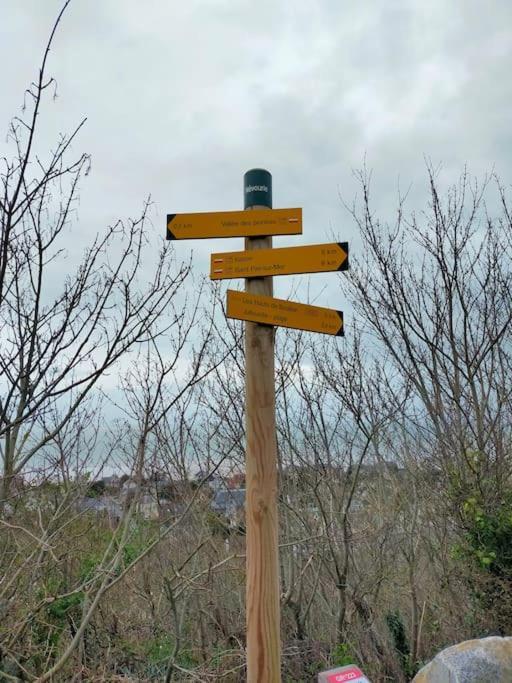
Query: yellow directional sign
[[270, 311], [182, 226], [314, 258]]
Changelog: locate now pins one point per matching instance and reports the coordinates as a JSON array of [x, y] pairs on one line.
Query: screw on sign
[[345, 674]]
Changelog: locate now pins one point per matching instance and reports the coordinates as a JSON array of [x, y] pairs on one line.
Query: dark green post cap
[[257, 188]]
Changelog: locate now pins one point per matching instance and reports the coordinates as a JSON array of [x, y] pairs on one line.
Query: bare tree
[[434, 289], [60, 334], [432, 292]]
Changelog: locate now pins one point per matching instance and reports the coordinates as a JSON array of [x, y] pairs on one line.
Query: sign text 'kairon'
[[270, 311], [261, 223], [313, 258]]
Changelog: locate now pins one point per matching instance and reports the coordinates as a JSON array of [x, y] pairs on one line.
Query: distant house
[[229, 502], [148, 507], [216, 483], [112, 482], [128, 488], [101, 506], [236, 481], [382, 468]]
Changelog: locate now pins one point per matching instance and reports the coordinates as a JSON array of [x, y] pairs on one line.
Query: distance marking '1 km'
[[313, 258], [260, 223], [269, 311]]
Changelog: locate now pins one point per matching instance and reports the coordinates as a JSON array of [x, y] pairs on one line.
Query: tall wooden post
[[262, 588]]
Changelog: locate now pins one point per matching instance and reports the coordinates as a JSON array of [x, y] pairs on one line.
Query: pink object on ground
[[344, 674]]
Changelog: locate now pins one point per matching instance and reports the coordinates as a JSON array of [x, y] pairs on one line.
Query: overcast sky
[[182, 97]]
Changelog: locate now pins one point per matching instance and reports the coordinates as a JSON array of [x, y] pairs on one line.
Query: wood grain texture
[[262, 588]]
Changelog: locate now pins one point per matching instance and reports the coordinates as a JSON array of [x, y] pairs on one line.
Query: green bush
[[341, 655], [489, 535], [60, 608], [396, 628]]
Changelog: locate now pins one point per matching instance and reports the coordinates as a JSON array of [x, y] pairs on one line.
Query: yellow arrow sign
[[314, 258], [182, 226], [270, 311]]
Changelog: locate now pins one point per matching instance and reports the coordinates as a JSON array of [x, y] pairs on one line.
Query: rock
[[488, 660]]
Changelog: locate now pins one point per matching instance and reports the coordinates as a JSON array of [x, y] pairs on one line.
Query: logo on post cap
[[256, 188]]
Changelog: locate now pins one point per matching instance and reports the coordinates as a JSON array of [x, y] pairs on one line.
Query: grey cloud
[[183, 97]]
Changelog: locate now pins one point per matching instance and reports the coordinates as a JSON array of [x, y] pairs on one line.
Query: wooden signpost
[[314, 258], [185, 226], [270, 311], [262, 588], [261, 311]]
